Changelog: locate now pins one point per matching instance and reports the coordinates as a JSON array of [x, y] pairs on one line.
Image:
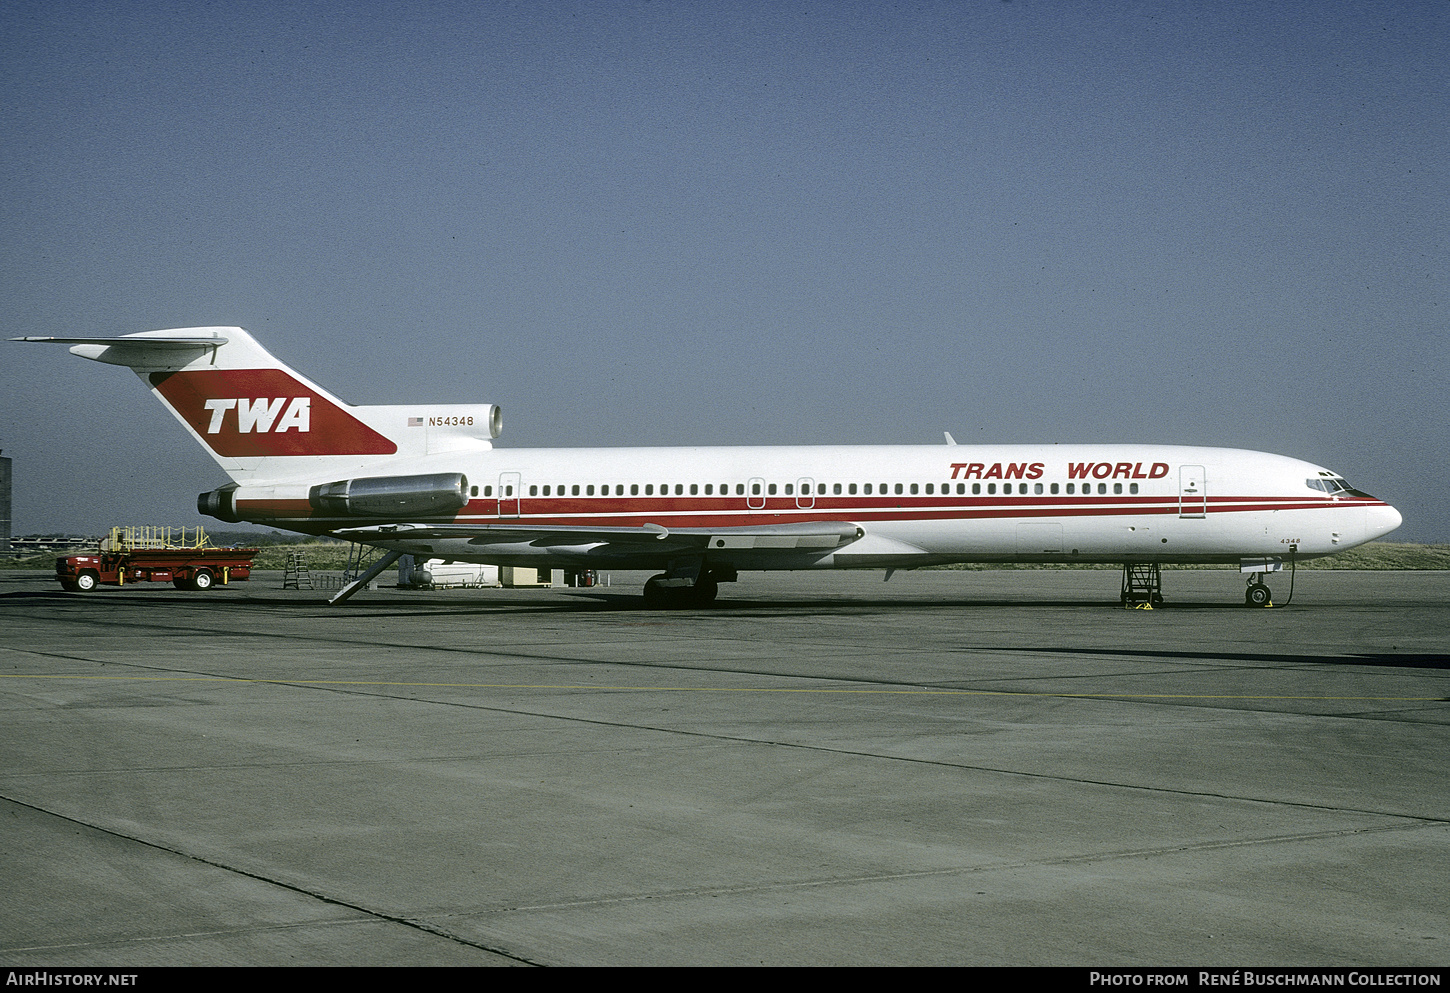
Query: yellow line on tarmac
[[716, 689]]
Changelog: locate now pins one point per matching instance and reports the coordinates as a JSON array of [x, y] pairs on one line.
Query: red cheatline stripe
[[720, 512]]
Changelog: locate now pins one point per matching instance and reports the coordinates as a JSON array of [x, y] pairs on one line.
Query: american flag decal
[[415, 422]]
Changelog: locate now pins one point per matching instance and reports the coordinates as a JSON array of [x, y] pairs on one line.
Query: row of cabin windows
[[900, 489]]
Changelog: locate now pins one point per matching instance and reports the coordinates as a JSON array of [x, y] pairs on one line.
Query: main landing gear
[[1258, 594], [680, 589]]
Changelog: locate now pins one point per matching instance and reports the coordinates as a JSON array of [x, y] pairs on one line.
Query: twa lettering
[[1013, 470], [1122, 470], [260, 415]]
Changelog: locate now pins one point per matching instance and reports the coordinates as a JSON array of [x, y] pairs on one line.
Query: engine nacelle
[[392, 496], [220, 503]]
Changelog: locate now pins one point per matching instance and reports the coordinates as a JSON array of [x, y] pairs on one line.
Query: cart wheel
[[202, 580]]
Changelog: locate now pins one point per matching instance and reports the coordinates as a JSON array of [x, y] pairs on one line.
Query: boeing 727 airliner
[[426, 480]]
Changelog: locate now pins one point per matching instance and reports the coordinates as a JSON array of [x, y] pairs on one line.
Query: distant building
[[4, 504]]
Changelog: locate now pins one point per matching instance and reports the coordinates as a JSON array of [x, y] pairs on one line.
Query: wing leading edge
[[804, 536]]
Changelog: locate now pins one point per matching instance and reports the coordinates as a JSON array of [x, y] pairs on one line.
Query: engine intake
[[392, 496]]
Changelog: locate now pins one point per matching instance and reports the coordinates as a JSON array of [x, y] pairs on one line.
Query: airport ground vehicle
[[180, 556]]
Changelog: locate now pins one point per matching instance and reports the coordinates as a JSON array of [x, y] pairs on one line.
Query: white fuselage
[[916, 505]]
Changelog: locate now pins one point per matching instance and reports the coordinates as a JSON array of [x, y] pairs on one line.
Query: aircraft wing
[[822, 535]]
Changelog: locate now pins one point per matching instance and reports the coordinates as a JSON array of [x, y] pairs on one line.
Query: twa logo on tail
[[247, 413], [259, 414]]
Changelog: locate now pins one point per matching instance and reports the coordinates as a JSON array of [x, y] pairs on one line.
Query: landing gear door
[[1192, 491], [508, 494]]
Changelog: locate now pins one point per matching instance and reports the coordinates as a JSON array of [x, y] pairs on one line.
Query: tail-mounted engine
[[220, 503], [392, 496]]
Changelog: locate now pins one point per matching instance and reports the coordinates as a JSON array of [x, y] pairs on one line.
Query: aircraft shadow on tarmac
[[1406, 661], [424, 602]]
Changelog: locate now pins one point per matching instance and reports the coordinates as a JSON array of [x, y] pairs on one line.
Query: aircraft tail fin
[[261, 419]]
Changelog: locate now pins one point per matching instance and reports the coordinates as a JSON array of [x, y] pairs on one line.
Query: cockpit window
[[1333, 485]]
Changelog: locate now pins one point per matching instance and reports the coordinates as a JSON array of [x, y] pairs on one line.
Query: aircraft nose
[[1381, 520]]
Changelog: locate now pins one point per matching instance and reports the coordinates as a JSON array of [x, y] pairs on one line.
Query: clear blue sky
[[717, 223]]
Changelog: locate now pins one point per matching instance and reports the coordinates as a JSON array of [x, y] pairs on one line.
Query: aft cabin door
[[508, 494], [1192, 491]]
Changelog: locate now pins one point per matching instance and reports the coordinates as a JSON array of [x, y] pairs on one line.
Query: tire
[[655, 594], [704, 591], [86, 582], [202, 580], [180, 583], [1258, 595]]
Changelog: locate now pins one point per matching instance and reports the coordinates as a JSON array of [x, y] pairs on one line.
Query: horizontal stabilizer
[[148, 351]]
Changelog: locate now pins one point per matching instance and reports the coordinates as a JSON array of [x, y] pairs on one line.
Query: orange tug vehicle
[[180, 556]]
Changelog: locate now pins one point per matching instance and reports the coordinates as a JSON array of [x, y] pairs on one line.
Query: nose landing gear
[[1258, 594]]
